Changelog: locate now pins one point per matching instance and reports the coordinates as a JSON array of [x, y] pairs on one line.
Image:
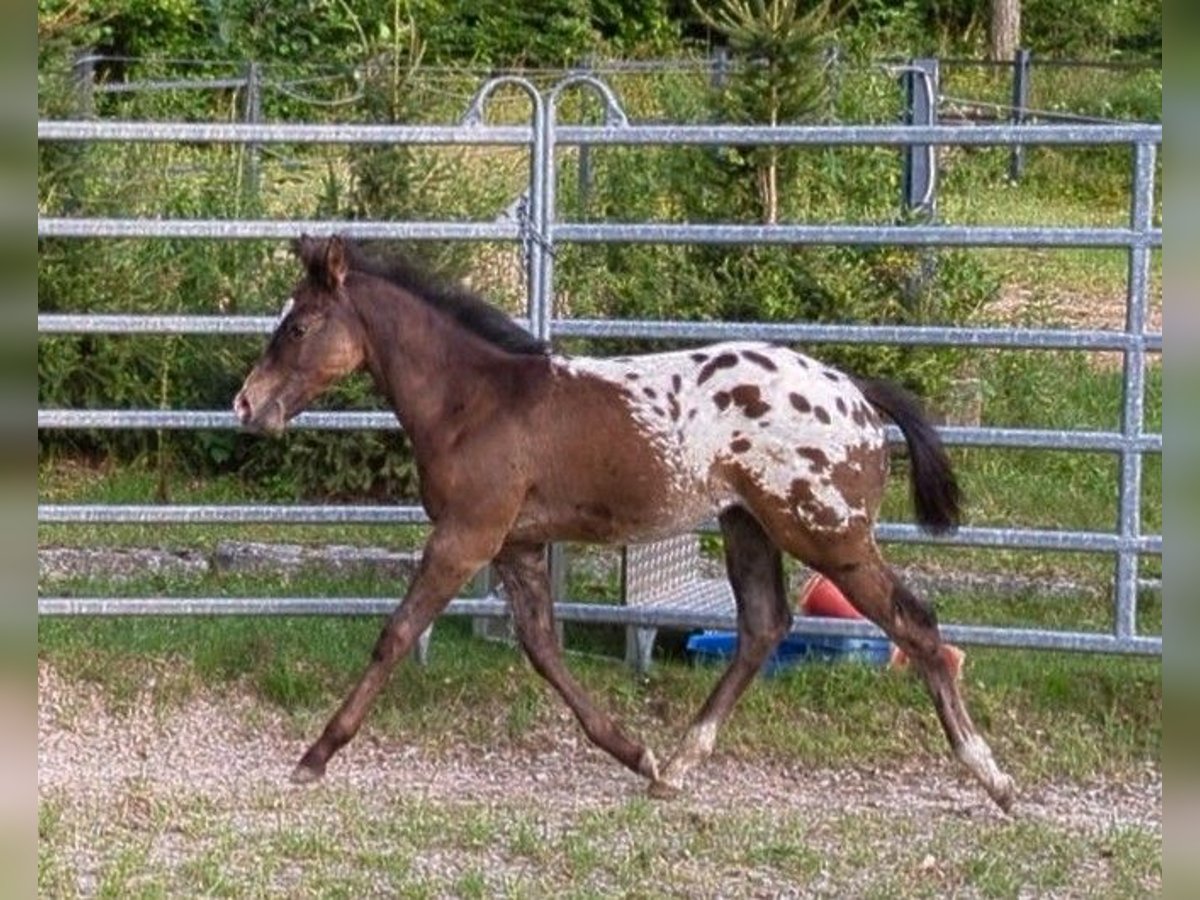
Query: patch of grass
[[341, 842], [54, 873]]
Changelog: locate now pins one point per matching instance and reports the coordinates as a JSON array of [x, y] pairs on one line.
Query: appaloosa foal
[[516, 447]]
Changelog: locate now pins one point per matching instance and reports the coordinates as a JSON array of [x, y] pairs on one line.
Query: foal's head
[[319, 339]]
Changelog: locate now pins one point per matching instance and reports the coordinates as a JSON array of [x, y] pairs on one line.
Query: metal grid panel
[[666, 573]]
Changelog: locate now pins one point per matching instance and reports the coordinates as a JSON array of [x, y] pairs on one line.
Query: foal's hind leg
[[522, 570], [755, 569], [877, 592]]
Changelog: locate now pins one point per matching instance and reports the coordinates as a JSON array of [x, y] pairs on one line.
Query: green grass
[[417, 848]]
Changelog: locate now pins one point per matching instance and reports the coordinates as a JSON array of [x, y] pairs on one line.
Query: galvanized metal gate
[[537, 227]]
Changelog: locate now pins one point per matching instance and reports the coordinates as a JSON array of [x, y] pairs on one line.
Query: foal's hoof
[[1004, 791], [305, 774], [663, 790], [648, 765]]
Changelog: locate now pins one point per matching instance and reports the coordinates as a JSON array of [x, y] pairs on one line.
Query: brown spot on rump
[[749, 398], [692, 413], [699, 357], [650, 393], [632, 376], [841, 406], [740, 445], [816, 458], [822, 415], [724, 361], [759, 360], [802, 498], [791, 530], [676, 383], [801, 403], [659, 411], [673, 406], [832, 376], [859, 415], [722, 400], [861, 475]]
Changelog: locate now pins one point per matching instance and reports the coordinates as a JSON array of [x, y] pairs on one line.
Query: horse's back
[[673, 438]]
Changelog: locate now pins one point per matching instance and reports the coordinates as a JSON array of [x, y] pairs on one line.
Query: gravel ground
[[233, 754]]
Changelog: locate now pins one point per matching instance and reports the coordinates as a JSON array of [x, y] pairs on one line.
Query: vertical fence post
[[920, 168], [920, 81], [1134, 391], [252, 115], [720, 66], [83, 74], [1020, 102], [533, 224], [833, 76], [585, 166]]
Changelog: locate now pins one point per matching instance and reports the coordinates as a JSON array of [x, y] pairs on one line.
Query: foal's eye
[[297, 329]]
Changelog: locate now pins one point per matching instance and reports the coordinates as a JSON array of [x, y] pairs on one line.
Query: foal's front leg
[[522, 570], [452, 556]]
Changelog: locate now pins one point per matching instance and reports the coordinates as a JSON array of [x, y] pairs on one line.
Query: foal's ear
[[325, 259], [308, 249], [335, 262]]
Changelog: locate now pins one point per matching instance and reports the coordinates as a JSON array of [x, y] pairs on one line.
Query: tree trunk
[[1005, 32]]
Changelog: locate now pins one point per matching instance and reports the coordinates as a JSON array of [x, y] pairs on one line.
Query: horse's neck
[[422, 362]]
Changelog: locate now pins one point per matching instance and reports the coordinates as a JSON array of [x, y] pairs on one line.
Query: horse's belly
[[620, 514]]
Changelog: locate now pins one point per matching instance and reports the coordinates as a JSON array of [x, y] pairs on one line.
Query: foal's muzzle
[[242, 408], [268, 419]]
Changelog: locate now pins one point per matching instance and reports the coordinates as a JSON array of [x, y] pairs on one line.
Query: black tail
[[934, 488]]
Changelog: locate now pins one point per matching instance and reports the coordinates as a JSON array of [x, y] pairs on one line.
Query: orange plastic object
[[821, 597]]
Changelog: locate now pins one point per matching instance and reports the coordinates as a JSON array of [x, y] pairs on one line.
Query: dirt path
[[207, 748]]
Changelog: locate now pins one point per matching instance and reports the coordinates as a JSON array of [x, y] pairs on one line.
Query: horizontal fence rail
[[237, 133], [242, 514], [539, 230], [597, 613], [628, 135], [272, 229], [922, 335], [369, 420], [609, 233]]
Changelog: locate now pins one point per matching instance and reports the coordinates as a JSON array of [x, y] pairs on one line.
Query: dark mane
[[466, 308]]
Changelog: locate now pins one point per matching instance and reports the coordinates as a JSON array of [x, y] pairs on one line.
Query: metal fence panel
[[539, 231]]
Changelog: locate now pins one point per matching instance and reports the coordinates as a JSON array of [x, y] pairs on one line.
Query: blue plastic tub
[[707, 647]]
